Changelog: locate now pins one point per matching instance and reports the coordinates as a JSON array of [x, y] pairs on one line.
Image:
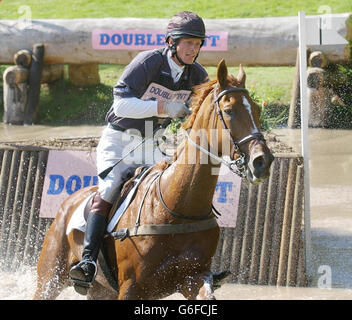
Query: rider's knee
[[100, 206]]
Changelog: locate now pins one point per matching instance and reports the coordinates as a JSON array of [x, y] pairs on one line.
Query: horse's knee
[[200, 287], [206, 292]]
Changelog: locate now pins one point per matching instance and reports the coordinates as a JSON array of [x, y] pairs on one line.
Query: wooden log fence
[[251, 41], [265, 247]]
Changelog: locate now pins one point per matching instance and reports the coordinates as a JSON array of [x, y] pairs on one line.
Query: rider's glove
[[175, 109]]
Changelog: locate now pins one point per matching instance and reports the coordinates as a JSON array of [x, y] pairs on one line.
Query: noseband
[[240, 162], [238, 165]]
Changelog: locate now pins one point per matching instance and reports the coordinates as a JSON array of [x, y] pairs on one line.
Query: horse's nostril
[[259, 163]]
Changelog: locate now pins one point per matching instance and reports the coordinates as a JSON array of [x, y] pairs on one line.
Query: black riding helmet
[[184, 24]]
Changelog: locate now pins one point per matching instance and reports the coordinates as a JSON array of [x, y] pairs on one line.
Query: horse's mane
[[200, 92]]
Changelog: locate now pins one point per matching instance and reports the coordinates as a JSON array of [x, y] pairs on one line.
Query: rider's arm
[[131, 86], [132, 107]]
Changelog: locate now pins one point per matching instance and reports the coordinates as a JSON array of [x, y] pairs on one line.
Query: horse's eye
[[228, 111]]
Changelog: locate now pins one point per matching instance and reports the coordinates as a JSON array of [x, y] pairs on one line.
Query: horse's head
[[239, 115]]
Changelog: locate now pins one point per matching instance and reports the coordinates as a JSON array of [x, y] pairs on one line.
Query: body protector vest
[[148, 77]]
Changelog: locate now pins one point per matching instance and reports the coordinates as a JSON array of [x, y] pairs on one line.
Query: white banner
[[70, 170]]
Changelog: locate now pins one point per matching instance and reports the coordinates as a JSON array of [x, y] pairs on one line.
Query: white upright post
[[304, 139]]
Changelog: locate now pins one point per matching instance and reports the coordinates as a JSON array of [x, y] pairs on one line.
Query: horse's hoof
[[83, 290]]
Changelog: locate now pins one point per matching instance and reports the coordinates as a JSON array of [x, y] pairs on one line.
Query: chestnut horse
[[153, 266]]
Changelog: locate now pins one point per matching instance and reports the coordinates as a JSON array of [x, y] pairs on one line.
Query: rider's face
[[188, 48]]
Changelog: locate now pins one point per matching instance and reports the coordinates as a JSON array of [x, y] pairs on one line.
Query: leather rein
[[239, 163], [210, 222]]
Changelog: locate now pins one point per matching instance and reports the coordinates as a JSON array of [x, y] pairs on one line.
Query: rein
[[181, 216], [238, 165], [241, 162]]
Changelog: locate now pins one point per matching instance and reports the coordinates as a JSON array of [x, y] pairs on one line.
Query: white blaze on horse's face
[[249, 109]]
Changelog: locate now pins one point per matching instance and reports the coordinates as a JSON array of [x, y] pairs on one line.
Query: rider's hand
[[175, 110]]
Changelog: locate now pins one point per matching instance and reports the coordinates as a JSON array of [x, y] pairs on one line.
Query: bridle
[[241, 162], [238, 165]]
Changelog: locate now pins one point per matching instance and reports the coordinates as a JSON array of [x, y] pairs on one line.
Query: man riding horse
[[154, 86]]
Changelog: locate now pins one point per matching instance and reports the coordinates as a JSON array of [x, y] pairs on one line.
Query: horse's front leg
[[199, 287]]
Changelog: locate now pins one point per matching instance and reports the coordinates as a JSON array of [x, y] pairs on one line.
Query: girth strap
[[146, 230]]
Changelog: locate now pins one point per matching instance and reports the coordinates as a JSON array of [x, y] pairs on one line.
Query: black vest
[[148, 77]]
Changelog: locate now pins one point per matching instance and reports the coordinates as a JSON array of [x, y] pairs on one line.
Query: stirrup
[[81, 285]]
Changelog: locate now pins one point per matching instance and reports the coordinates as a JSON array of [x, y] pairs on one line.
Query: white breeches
[[114, 145]]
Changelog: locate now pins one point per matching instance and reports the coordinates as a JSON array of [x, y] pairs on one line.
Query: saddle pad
[[124, 205], [78, 221]]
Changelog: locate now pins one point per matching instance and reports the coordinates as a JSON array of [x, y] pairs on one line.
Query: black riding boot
[[83, 274]]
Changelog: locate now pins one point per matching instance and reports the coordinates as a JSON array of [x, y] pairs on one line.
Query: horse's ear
[[241, 77], [221, 74]]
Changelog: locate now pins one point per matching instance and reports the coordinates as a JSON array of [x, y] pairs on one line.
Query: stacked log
[[321, 96], [22, 84]]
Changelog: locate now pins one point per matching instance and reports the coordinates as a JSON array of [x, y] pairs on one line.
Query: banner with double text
[[70, 170], [105, 39]]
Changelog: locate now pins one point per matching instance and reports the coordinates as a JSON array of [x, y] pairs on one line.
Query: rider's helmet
[[184, 24]]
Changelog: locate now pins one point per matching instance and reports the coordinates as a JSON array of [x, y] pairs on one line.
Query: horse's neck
[[189, 183]]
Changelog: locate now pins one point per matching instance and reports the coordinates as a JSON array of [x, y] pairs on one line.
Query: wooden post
[[320, 97], [294, 116], [52, 73], [15, 94], [34, 84], [82, 75]]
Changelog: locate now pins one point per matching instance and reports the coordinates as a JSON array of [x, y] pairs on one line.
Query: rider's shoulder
[[149, 57], [198, 67], [198, 73]]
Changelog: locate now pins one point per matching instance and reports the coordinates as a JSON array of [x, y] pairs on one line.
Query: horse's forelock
[[200, 93]]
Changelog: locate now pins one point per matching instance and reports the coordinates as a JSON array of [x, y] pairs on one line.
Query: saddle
[[133, 182], [120, 205]]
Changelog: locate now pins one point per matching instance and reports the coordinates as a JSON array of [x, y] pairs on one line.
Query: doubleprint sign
[[158, 92], [68, 171], [105, 39]]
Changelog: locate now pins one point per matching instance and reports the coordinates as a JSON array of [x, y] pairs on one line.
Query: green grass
[[41, 9], [62, 103]]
